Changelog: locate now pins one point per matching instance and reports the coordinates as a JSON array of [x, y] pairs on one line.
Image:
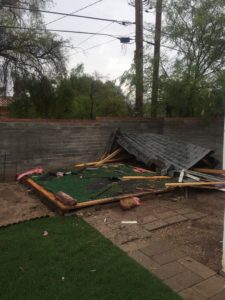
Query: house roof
[[5, 101], [169, 154]]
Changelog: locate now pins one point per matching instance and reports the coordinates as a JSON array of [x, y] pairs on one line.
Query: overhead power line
[[99, 45], [91, 36], [74, 12], [63, 31], [69, 15], [93, 47], [164, 46], [104, 43]]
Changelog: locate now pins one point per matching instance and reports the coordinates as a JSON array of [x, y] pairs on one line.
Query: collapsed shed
[[168, 154], [117, 175]]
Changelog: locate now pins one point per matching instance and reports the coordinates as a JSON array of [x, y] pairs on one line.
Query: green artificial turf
[[73, 262], [95, 184]]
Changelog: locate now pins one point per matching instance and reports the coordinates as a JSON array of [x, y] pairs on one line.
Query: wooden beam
[[145, 177], [107, 158], [110, 199], [92, 164], [87, 164], [201, 183], [209, 171]]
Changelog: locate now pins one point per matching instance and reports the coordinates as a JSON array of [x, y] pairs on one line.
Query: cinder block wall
[[53, 144]]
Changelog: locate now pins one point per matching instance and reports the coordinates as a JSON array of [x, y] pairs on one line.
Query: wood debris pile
[[150, 173], [203, 178]]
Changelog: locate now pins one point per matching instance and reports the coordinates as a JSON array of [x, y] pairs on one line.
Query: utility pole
[[139, 56], [156, 61]]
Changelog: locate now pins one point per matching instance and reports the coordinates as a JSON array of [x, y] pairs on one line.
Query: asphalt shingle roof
[[167, 153]]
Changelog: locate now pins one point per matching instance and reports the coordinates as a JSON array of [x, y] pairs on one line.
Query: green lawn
[[73, 262]]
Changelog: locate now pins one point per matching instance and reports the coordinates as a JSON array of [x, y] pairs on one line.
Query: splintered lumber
[[210, 171], [145, 177], [190, 184], [103, 156], [88, 164], [106, 159], [91, 164]]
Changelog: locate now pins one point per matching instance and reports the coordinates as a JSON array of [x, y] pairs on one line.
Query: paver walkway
[[191, 279]]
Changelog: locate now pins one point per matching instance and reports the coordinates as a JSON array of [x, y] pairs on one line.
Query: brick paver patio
[[188, 277]]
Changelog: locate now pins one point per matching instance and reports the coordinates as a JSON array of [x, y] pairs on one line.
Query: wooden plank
[[112, 155], [145, 177], [92, 164], [210, 171], [201, 183], [87, 164], [110, 199]]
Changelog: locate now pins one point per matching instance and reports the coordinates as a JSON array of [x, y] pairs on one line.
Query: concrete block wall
[[53, 144]]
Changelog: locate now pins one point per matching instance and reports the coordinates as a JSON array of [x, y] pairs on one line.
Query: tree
[[197, 30], [34, 98], [26, 52], [78, 95], [93, 97]]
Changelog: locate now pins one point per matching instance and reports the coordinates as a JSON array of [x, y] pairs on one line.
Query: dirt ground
[[200, 239], [19, 204]]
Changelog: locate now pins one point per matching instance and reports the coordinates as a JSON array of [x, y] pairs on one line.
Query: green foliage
[[192, 78], [77, 96], [26, 52], [33, 98], [93, 97], [185, 98], [197, 29]]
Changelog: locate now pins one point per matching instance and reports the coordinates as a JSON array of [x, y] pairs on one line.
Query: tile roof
[[168, 153]]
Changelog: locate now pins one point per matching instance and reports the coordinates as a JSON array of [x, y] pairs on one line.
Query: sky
[[110, 59]]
